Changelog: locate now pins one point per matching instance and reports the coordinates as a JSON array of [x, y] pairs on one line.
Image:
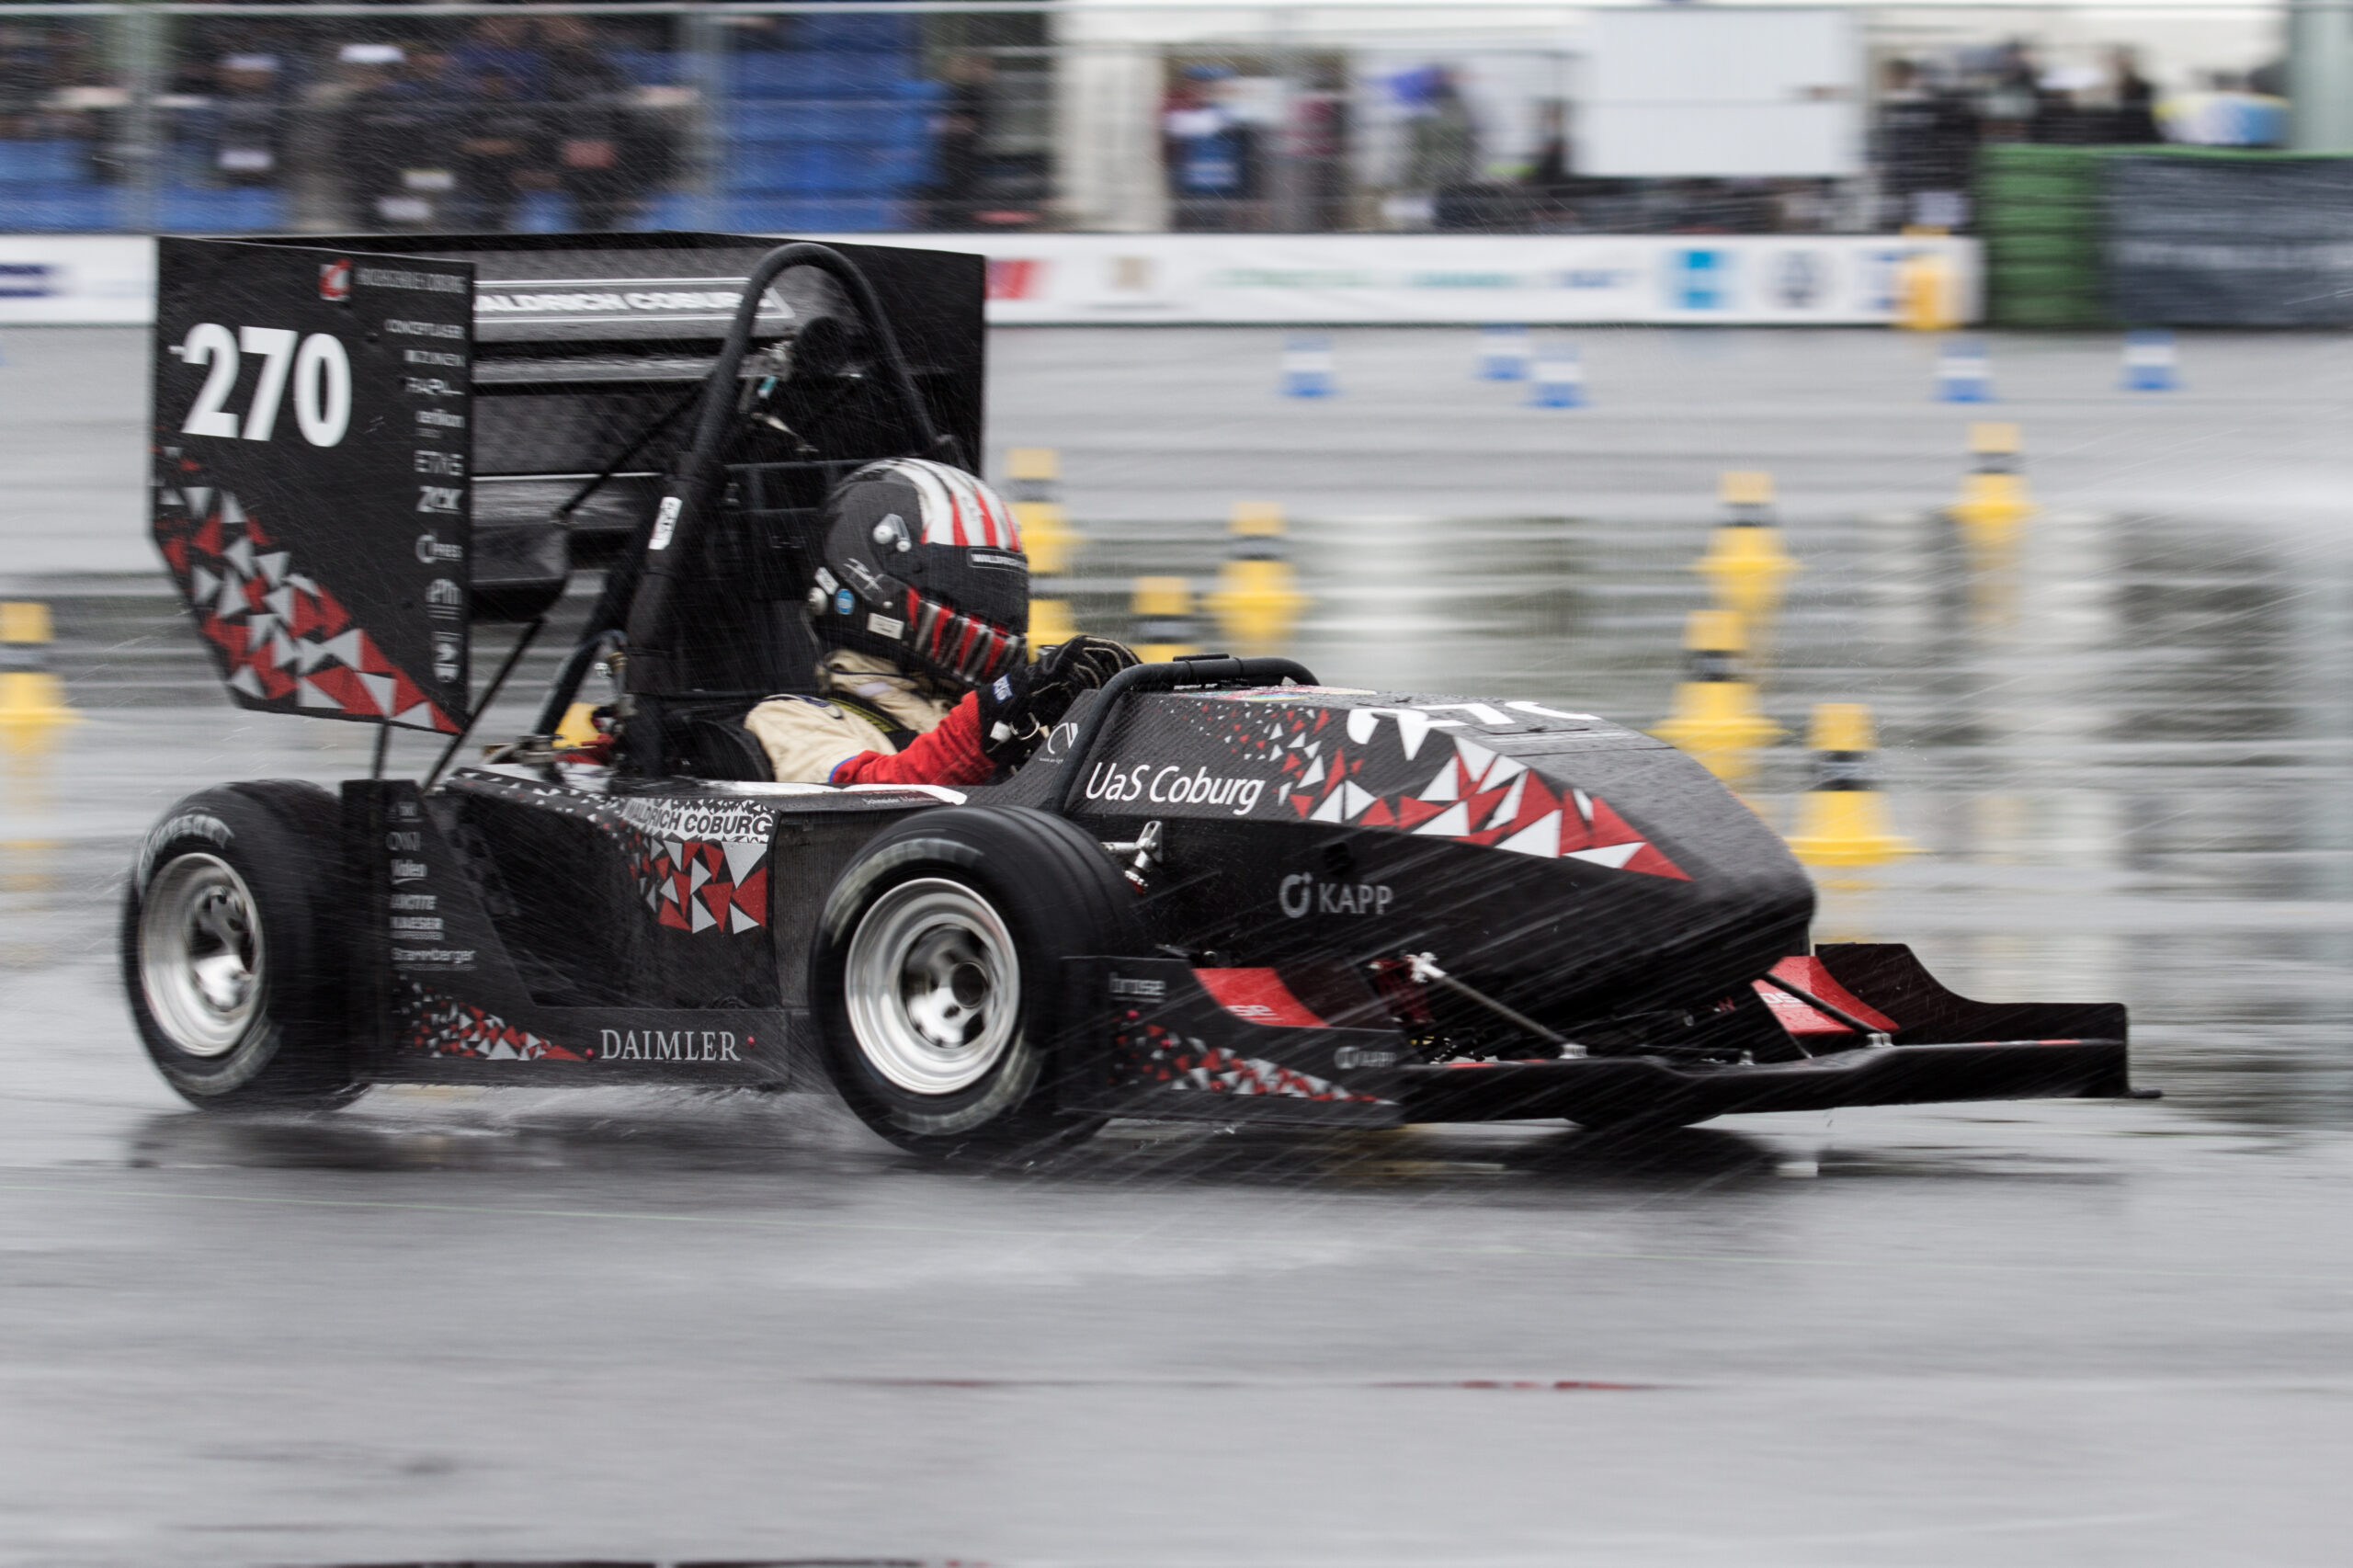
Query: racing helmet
[[922, 566]]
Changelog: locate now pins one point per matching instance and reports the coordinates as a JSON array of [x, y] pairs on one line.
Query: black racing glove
[[1019, 706]]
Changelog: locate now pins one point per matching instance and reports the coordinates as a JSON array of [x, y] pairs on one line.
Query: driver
[[918, 602]]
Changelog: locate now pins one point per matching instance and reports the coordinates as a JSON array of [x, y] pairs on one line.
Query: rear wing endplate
[[313, 443]]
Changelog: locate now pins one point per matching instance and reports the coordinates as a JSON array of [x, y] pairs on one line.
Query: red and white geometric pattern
[[1162, 1055], [443, 1025], [1476, 795], [692, 885], [283, 637]]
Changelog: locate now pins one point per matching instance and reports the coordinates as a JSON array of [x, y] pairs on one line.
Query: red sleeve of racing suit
[[947, 753]]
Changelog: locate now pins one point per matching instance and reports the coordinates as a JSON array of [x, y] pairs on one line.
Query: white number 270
[[321, 373]]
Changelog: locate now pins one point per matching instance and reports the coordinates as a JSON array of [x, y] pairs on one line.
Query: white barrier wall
[[1275, 280]]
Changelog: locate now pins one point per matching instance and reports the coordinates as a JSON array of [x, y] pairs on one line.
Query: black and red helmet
[[922, 565]]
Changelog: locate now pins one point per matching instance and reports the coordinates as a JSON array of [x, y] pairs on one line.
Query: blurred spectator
[[1443, 141], [2014, 100], [1207, 149], [1565, 200], [500, 152], [1922, 143], [395, 152], [2136, 99], [960, 135], [249, 118], [508, 47], [602, 162]]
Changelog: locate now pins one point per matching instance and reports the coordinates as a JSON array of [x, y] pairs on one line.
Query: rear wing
[[364, 445]]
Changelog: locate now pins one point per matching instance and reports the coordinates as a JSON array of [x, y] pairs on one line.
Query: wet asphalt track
[[642, 1326]]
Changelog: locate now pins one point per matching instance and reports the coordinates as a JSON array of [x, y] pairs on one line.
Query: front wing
[[1235, 1045]]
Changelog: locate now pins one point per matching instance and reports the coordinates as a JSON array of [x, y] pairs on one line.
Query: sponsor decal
[[1016, 278], [1143, 990], [444, 499], [886, 626], [430, 386], [997, 559], [441, 419], [1122, 783], [1301, 895], [414, 901], [443, 597], [598, 300], [726, 821], [424, 328], [1362, 1056], [335, 281], [1798, 279], [402, 277], [188, 824], [429, 549], [1593, 278], [441, 357], [408, 870], [666, 522], [448, 655], [27, 281], [435, 958], [666, 1045], [450, 464]]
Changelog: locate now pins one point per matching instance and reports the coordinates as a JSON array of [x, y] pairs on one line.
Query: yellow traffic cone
[[1842, 821], [31, 693], [1256, 601], [1164, 625], [1993, 506], [1716, 717], [1049, 622], [1746, 563], [1925, 293], [1034, 473]]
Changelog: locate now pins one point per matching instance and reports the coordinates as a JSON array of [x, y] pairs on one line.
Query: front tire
[[232, 949], [938, 977]]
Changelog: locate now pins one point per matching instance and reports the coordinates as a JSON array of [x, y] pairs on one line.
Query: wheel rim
[[934, 986], [200, 954]]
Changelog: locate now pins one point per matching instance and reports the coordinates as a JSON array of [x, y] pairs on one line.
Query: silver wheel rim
[[200, 954], [933, 985]]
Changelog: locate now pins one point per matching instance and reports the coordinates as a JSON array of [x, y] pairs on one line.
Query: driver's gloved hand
[[1019, 706]]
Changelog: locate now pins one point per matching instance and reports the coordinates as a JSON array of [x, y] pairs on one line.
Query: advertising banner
[[1038, 279], [313, 449], [1409, 279], [2230, 242]]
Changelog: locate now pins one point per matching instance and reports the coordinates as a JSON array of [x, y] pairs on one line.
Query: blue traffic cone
[[1962, 374], [2149, 360], [1503, 354], [1560, 378], [1307, 365]]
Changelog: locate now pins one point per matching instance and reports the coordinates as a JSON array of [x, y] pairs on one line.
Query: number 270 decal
[[319, 369]]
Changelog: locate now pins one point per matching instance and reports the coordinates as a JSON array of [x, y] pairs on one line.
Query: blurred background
[[1109, 115]]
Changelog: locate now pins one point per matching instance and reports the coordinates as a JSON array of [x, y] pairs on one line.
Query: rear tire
[[937, 978], [232, 942]]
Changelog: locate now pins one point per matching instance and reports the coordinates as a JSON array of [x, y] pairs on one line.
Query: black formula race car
[[1219, 891]]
